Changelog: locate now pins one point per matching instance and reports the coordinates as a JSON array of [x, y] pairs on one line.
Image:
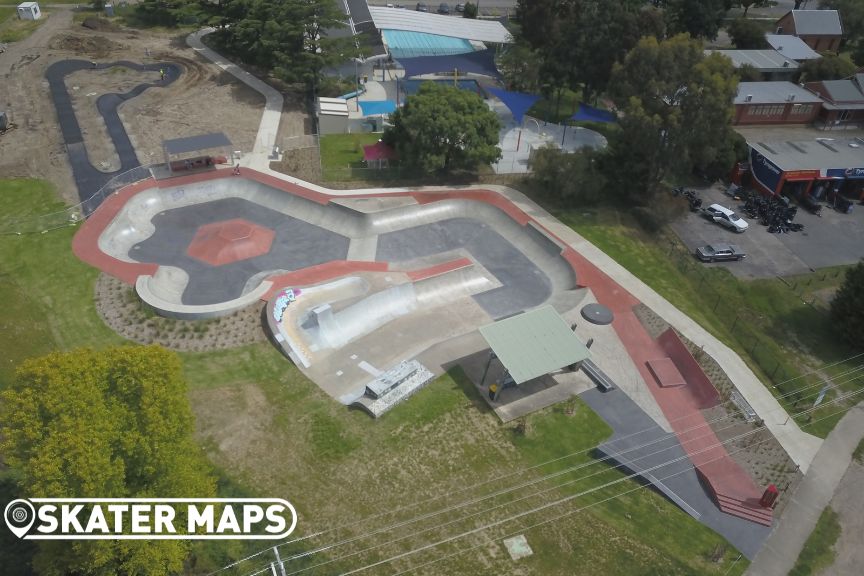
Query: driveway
[[830, 240]]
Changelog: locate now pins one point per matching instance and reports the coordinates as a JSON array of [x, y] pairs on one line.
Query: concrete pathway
[[269, 126], [783, 546]]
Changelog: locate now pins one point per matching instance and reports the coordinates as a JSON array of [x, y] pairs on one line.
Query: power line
[[713, 446], [548, 520], [515, 473]]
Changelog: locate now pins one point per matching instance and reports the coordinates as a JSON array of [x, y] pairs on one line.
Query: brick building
[[819, 29]]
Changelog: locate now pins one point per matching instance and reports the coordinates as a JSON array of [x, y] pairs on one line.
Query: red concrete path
[[681, 405]]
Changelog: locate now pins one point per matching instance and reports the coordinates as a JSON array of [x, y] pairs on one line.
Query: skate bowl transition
[[359, 287]]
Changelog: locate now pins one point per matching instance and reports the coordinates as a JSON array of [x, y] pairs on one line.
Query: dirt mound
[[100, 24], [93, 46]]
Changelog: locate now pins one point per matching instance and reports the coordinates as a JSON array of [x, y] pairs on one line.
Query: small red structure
[[378, 155], [230, 241], [769, 497]]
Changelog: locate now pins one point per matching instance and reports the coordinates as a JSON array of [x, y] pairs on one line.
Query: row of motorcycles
[[774, 212], [689, 195]]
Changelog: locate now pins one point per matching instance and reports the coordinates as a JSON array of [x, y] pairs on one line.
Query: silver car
[[719, 253]]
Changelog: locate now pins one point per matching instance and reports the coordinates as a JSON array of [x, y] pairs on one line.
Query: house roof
[[332, 106], [791, 47], [196, 143], [773, 93], [763, 60], [817, 23], [838, 91], [534, 343], [819, 154], [413, 21]]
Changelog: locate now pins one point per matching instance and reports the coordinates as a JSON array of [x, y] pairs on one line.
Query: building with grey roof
[[843, 101], [775, 103], [822, 30], [791, 47], [770, 63]]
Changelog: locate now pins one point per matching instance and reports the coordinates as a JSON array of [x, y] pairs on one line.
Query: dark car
[[719, 253], [422, 7], [443, 8]]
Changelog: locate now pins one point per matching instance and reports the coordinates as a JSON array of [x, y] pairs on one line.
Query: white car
[[725, 217]]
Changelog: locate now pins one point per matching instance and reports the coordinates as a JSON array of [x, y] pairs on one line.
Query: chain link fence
[[39, 224]]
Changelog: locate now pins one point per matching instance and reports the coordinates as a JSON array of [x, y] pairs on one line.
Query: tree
[[747, 34], [677, 110], [577, 178], [108, 424], [847, 307], [829, 67], [700, 19], [748, 73], [443, 128], [520, 66], [747, 4], [852, 16], [470, 10]]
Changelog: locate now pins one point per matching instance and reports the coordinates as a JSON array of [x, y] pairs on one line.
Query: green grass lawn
[[14, 30], [342, 155], [818, 552]]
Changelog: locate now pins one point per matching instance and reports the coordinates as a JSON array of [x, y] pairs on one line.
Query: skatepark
[[372, 294]]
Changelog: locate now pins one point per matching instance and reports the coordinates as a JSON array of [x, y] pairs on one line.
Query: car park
[[725, 217], [719, 253]]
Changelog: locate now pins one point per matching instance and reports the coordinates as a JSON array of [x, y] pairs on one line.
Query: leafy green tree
[[443, 128], [829, 67], [677, 109], [520, 66], [700, 19], [747, 34], [470, 10], [847, 307], [98, 5], [852, 16], [748, 73], [575, 178], [110, 424]]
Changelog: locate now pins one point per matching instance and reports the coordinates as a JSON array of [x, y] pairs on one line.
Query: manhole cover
[[597, 314]]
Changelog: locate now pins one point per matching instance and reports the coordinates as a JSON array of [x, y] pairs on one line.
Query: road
[[487, 7]]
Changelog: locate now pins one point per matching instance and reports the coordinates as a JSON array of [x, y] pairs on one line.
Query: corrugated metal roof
[[534, 343], [817, 22], [196, 143], [813, 155], [791, 47], [773, 93], [764, 60], [413, 21], [842, 91]]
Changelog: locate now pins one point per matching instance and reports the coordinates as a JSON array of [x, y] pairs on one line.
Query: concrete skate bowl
[[206, 245]]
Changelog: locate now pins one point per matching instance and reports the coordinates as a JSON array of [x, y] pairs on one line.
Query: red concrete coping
[[439, 269], [322, 273], [665, 372], [220, 243]]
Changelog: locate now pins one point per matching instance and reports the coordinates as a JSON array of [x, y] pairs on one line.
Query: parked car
[[460, 7], [725, 217], [422, 7], [443, 8], [719, 253]]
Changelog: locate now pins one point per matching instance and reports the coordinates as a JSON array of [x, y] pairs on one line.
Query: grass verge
[[858, 454], [818, 552], [342, 156], [14, 30]]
